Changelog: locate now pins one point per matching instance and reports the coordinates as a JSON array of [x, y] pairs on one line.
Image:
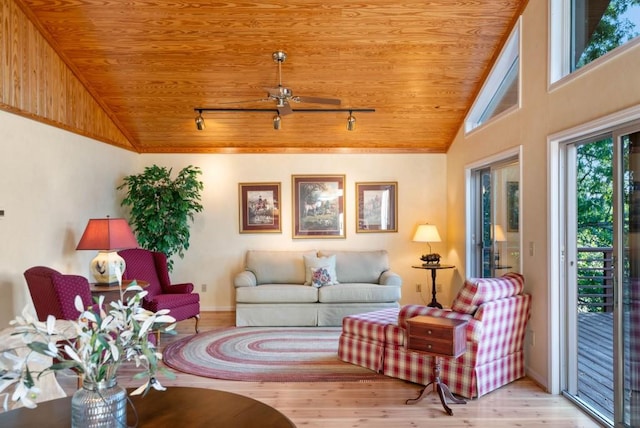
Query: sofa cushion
[[477, 291], [321, 277], [358, 292], [312, 262], [277, 267], [359, 266], [277, 293]]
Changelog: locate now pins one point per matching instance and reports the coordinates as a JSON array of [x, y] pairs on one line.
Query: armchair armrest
[[185, 288], [390, 278], [245, 279]]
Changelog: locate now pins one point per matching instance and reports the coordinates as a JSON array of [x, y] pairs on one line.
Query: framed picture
[[513, 206], [259, 207], [377, 207], [318, 206]]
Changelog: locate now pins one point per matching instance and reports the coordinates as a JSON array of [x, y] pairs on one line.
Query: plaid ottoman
[[363, 336]]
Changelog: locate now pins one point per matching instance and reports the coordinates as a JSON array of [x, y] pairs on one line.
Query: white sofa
[[298, 288]]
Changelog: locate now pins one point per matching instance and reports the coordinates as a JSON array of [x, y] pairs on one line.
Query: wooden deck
[[595, 361]]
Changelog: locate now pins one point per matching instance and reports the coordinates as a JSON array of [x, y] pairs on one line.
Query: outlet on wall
[[203, 288], [439, 288], [418, 287]]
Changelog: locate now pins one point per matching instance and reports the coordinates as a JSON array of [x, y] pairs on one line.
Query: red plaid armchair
[[497, 313], [151, 266]]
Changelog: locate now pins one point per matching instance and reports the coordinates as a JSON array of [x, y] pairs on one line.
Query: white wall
[[217, 248], [53, 181], [611, 86]]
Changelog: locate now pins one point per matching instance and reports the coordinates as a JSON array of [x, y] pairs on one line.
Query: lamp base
[[107, 268]]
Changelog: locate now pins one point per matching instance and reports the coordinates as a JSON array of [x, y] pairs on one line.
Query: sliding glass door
[[602, 275]]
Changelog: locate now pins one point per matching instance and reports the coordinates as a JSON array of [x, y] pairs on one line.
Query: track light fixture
[[277, 120], [200, 121], [351, 122]]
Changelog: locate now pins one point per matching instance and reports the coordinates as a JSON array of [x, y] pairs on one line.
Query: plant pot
[[102, 404]]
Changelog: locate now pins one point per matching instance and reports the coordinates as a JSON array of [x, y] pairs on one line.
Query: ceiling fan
[[284, 96]]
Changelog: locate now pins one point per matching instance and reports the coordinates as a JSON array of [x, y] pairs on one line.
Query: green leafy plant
[[161, 207]]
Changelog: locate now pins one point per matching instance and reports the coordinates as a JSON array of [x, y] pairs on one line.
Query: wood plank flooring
[[379, 404]]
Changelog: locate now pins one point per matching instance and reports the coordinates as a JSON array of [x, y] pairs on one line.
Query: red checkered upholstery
[[495, 340]]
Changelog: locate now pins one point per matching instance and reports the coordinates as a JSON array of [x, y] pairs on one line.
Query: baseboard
[[217, 308]]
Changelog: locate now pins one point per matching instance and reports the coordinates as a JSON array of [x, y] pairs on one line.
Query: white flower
[[94, 345]]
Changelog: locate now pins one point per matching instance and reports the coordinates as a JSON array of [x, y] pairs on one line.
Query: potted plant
[[94, 346], [161, 207]]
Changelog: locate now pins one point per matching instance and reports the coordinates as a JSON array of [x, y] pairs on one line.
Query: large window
[[585, 30], [501, 90], [495, 218]]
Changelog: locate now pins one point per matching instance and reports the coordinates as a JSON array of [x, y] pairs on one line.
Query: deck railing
[[595, 279]]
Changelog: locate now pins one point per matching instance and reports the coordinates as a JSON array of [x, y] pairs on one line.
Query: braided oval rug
[[266, 354]]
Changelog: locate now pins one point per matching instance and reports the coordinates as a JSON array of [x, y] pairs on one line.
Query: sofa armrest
[[390, 278], [245, 279], [185, 288]]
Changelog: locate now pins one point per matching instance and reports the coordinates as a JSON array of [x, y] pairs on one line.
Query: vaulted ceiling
[[150, 63]]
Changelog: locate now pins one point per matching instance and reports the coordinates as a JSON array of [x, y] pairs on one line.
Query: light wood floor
[[379, 404]]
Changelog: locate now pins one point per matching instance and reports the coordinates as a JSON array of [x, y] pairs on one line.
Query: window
[[585, 30], [494, 218], [501, 90]]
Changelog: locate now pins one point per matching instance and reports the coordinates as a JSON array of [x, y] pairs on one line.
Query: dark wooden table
[[175, 407], [439, 337], [433, 268]]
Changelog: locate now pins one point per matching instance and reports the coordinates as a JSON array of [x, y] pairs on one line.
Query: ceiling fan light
[[200, 121], [276, 122], [351, 122]]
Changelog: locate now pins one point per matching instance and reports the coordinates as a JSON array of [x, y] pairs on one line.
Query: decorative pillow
[[476, 291], [314, 262], [321, 276]]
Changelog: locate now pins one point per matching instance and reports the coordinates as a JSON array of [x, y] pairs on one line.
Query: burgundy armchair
[[54, 293], [151, 266]]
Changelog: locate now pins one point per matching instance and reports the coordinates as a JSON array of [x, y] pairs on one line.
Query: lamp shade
[[426, 233], [107, 234], [498, 234]]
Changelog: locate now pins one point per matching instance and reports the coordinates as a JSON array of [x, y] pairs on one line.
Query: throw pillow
[[320, 262], [320, 277]]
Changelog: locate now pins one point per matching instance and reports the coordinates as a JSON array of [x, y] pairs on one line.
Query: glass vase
[[102, 404]]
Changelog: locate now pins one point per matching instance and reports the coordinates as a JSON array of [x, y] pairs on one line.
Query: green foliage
[[595, 194], [612, 31], [161, 207]]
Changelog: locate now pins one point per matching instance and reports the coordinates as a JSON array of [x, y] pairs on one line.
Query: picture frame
[[377, 207], [259, 207], [513, 206], [318, 206]]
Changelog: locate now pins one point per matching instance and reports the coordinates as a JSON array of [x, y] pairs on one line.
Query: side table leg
[[425, 391], [434, 303]]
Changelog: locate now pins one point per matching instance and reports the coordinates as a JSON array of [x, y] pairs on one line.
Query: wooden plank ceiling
[[150, 63]]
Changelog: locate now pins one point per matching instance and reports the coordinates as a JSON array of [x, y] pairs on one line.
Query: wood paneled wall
[[36, 83]]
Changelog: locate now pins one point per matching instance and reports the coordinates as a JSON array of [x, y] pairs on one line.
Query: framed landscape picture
[[318, 206], [260, 208], [377, 207]]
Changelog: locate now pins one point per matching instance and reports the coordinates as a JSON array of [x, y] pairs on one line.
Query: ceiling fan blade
[[316, 100], [284, 109]]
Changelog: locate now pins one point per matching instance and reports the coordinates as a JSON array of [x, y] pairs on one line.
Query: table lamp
[[428, 233], [498, 236], [107, 235]]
